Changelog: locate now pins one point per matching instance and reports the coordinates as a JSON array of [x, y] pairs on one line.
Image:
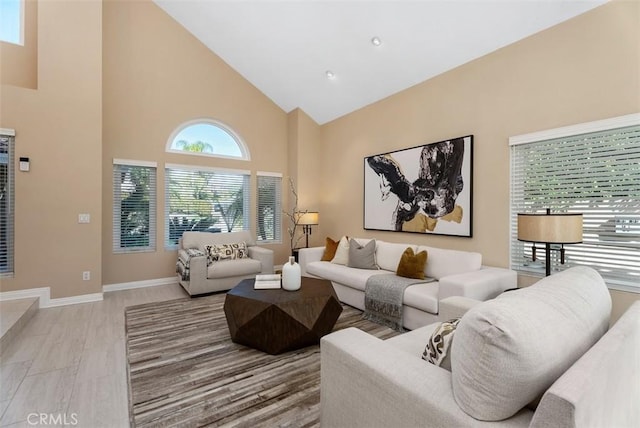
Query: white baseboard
[[43, 294], [140, 284], [74, 300]]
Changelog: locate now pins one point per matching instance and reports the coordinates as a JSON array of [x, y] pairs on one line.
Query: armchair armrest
[[308, 255], [197, 275], [483, 284], [264, 255], [366, 382]]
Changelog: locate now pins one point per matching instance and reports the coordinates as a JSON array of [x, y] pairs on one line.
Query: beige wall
[[59, 126], [305, 169], [19, 63], [583, 70], [156, 77]]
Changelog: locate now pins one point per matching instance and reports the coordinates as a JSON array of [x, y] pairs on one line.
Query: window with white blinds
[[269, 214], [204, 199], [134, 206], [596, 173], [7, 171]]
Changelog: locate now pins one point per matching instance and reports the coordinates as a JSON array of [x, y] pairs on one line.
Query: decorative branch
[[294, 217]]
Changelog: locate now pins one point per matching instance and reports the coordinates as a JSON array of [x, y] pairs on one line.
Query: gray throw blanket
[[184, 258], [383, 298]]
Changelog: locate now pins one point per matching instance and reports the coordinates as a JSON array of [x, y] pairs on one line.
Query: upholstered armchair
[[210, 262]]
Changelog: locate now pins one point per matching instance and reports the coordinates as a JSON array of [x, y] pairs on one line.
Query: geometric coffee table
[[276, 321]]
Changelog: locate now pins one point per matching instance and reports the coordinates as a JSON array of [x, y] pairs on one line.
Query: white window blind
[[134, 206], [269, 214], [7, 171], [596, 174], [207, 200]]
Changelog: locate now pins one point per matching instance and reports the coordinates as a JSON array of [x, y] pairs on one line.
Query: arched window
[[207, 137]]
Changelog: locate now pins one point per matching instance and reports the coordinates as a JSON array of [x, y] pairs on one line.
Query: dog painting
[[423, 189]]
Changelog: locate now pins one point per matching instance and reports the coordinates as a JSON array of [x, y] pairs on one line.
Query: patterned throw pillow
[[437, 349], [219, 252]]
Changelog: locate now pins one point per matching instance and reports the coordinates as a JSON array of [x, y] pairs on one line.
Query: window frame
[[277, 209], [568, 132], [245, 155], [117, 209]]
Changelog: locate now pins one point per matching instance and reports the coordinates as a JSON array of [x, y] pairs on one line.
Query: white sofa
[[548, 339], [206, 278], [457, 273]]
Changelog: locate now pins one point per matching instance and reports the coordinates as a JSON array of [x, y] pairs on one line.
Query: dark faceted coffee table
[[276, 321]]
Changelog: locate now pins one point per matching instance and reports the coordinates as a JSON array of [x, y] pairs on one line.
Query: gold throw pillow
[[330, 248], [412, 265]]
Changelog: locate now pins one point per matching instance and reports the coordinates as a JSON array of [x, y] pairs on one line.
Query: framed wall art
[[424, 189]]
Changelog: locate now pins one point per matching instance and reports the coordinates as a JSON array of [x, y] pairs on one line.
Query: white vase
[[291, 276]]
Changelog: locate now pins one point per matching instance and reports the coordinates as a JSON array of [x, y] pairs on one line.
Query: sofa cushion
[[388, 254], [354, 278], [509, 350], [330, 248], [437, 350], [200, 240], [423, 296], [229, 268], [362, 256], [412, 265], [342, 252], [450, 262]]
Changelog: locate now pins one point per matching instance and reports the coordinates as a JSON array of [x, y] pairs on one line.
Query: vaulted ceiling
[[321, 56]]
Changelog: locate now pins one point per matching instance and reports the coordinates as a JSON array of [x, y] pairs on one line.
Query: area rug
[[183, 370]]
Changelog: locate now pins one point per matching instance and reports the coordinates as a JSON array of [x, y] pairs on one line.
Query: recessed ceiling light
[[376, 41], [330, 74]]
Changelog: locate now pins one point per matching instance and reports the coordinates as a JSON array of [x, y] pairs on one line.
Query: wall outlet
[[86, 275], [84, 218]]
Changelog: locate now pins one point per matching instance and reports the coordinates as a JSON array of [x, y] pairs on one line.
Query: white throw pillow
[[342, 253], [509, 350]]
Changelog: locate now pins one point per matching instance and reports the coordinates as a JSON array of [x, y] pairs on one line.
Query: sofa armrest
[[264, 255], [483, 284], [308, 255], [366, 382], [455, 306], [601, 389]]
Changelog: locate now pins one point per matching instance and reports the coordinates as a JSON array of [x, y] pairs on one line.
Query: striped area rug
[[183, 370]]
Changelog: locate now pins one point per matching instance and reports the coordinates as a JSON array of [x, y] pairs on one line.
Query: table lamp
[[550, 229]]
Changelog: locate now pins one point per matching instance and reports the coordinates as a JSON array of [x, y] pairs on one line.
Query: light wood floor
[[69, 362]]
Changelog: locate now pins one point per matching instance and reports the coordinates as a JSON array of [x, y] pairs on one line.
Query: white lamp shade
[[309, 218], [550, 228]]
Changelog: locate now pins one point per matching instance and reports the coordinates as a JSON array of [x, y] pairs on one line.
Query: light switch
[[84, 218], [24, 164]]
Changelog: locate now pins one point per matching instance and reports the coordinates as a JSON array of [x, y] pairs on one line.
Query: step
[[14, 315]]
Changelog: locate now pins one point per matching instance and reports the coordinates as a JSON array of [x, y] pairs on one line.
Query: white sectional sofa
[[456, 273], [548, 340]]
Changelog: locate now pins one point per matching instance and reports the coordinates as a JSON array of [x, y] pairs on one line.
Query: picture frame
[[424, 189]]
